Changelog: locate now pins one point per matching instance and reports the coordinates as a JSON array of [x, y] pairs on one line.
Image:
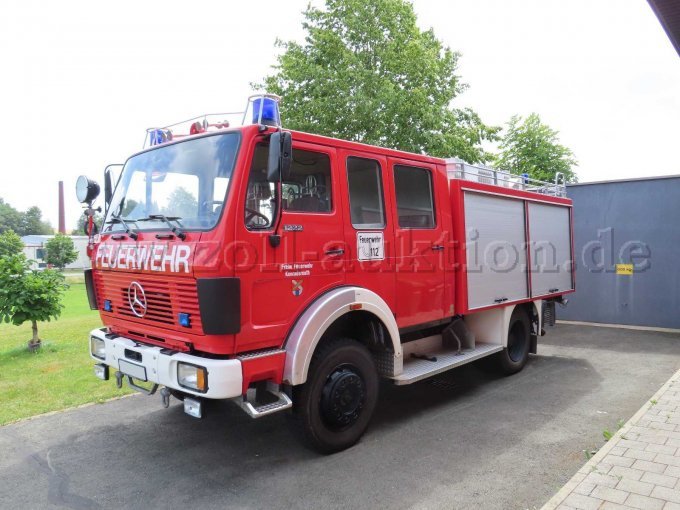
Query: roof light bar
[[261, 109]]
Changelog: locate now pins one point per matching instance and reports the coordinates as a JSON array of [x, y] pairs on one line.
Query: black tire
[[331, 411], [513, 358]]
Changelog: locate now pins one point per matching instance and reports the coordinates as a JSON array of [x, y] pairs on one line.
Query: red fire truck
[[289, 271]]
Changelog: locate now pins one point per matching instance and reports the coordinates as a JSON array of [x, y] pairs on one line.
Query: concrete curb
[[589, 466], [619, 326], [66, 409]]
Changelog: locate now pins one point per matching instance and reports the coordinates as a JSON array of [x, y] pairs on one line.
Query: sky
[[81, 81]]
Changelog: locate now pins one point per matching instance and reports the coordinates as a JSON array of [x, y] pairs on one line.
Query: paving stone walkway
[[637, 468]]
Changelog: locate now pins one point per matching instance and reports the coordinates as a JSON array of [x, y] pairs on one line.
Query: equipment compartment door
[[550, 243], [495, 231]]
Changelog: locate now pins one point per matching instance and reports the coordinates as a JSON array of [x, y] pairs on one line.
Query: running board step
[[249, 404], [432, 363]]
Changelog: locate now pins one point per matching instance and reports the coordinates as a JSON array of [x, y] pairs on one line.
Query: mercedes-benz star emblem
[[137, 299]]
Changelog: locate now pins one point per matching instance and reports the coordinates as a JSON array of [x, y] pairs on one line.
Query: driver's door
[[278, 282]]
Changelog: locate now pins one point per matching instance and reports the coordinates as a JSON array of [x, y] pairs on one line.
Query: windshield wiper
[[177, 230], [117, 219]]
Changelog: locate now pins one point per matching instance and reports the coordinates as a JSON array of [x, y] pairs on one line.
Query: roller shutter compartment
[[495, 250], [550, 249]]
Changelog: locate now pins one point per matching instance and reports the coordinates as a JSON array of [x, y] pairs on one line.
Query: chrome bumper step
[[249, 402]]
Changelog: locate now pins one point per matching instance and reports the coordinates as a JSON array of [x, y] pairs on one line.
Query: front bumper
[[225, 376]]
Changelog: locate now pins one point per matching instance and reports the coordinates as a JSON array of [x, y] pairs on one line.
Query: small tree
[[60, 251], [10, 243], [29, 295], [529, 146]]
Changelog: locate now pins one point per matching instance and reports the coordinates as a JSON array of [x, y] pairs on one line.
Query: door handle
[[437, 247], [336, 251]]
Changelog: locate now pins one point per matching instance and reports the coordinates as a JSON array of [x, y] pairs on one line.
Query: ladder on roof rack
[[459, 169]]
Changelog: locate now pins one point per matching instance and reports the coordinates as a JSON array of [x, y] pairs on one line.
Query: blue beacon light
[[270, 111]]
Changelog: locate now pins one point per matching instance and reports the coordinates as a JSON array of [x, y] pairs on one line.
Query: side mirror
[[108, 186], [280, 156], [86, 190]]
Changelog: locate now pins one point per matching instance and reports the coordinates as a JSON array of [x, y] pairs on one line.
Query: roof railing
[[459, 169], [261, 108]]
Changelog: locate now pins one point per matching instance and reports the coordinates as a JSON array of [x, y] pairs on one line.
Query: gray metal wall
[[636, 222]]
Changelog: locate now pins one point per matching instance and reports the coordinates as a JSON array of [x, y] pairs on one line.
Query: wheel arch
[[332, 310]]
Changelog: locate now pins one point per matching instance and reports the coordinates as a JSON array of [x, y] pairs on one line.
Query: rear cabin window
[[365, 193], [415, 204], [307, 190]]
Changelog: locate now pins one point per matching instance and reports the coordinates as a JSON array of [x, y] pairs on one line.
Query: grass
[[60, 374]]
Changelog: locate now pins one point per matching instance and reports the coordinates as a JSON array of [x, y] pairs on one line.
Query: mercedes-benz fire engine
[[290, 272]]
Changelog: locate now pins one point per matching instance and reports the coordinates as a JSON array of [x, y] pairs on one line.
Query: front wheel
[[331, 411], [513, 358]]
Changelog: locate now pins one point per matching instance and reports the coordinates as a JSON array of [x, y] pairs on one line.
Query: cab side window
[[366, 203], [415, 202], [260, 209], [308, 188]]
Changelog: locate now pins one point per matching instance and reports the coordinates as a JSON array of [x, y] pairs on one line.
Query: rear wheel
[[331, 411], [513, 358]]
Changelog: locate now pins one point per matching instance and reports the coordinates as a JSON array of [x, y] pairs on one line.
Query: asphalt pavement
[[467, 439]]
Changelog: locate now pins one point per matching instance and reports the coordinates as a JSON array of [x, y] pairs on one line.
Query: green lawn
[[58, 376]]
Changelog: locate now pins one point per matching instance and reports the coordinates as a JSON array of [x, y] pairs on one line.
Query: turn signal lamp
[[192, 377]]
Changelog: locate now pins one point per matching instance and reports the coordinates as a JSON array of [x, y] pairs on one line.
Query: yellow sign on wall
[[624, 269]]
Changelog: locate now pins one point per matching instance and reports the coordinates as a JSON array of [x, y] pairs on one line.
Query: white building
[[34, 249]]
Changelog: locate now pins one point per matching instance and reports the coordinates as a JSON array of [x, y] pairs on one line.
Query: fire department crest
[[297, 287]]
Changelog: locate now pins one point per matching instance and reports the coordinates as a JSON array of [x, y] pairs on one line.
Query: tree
[[10, 243], [10, 218], [60, 251], [529, 146], [32, 222], [23, 223], [29, 295], [366, 72]]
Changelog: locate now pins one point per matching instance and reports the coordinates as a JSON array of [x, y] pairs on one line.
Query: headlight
[[98, 347], [192, 377]]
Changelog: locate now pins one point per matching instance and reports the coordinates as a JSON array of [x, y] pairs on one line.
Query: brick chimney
[[62, 219]]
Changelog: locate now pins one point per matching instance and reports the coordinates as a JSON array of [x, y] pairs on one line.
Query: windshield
[[184, 183]]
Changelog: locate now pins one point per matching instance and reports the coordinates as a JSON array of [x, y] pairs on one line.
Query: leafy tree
[[529, 146], [60, 251], [29, 295], [366, 72], [10, 243], [10, 218], [23, 223], [32, 222]]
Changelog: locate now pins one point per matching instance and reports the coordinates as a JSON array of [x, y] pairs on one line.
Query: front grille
[[166, 297]]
